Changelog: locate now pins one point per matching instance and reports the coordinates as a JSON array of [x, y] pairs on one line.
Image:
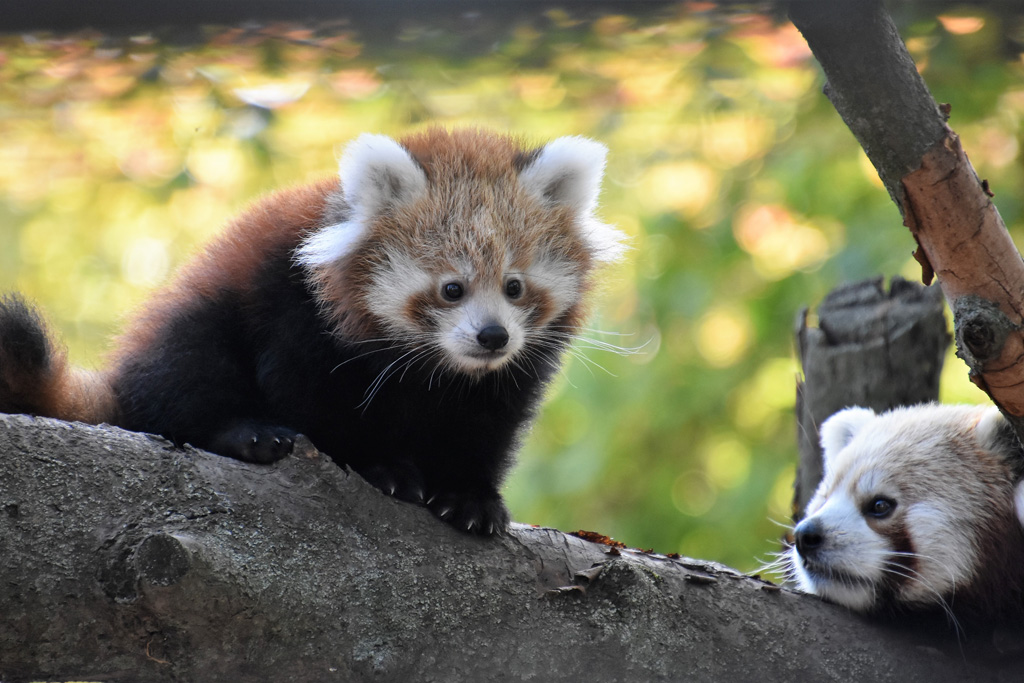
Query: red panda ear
[[377, 174], [1018, 501], [994, 433], [567, 172], [838, 431]]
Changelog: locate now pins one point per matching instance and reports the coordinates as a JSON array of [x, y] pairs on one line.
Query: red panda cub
[[406, 317], [919, 508]]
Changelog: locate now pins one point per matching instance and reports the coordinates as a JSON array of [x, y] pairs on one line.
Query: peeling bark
[[977, 264]]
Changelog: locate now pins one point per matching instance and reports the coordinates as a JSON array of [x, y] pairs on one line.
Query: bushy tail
[[35, 377]]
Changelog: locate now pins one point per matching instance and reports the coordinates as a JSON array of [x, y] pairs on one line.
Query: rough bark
[[125, 559], [875, 87], [869, 348]]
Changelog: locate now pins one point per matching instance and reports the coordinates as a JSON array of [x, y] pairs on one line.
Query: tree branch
[[877, 91], [125, 559]]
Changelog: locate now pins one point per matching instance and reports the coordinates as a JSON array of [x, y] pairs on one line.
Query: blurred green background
[[744, 195]]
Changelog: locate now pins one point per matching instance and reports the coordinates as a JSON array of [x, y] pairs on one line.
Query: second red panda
[[919, 508], [406, 316]]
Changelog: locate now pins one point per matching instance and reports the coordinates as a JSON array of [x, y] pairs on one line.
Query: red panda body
[[406, 319]]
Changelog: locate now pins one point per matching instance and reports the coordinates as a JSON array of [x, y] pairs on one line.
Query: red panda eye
[[514, 288], [880, 507], [452, 291]]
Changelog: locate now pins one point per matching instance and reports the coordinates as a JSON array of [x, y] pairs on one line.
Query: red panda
[[406, 317], [919, 508]]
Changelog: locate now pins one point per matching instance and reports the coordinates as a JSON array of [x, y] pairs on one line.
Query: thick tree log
[[870, 348], [875, 87], [125, 559]]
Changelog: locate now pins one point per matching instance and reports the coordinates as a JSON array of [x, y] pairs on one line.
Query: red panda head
[[917, 507], [461, 244]]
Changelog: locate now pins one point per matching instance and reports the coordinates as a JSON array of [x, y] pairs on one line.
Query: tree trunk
[[875, 87], [870, 348], [126, 559]]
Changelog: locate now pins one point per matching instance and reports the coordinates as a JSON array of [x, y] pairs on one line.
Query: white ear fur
[[376, 174], [568, 172], [1018, 501], [837, 431], [992, 430], [994, 433]]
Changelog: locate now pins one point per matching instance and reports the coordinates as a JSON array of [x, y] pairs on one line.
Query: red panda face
[[471, 319], [909, 503], [460, 246]]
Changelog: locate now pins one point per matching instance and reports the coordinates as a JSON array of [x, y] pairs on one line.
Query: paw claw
[[253, 442], [483, 514], [401, 480]]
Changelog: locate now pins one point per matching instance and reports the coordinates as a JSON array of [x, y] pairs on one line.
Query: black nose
[[492, 337], [809, 537]]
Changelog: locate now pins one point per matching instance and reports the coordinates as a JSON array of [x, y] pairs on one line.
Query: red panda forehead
[[486, 238], [950, 477], [472, 153]]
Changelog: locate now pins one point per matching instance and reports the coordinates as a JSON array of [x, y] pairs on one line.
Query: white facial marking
[[947, 558], [393, 286], [556, 278], [851, 559]]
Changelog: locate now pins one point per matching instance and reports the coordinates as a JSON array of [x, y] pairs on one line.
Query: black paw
[[483, 514], [402, 479], [253, 442]]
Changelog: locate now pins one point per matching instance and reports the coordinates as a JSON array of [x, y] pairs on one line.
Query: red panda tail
[[35, 377]]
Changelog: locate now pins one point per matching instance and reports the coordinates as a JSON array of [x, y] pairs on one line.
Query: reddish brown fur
[[229, 262], [236, 355], [50, 386]]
